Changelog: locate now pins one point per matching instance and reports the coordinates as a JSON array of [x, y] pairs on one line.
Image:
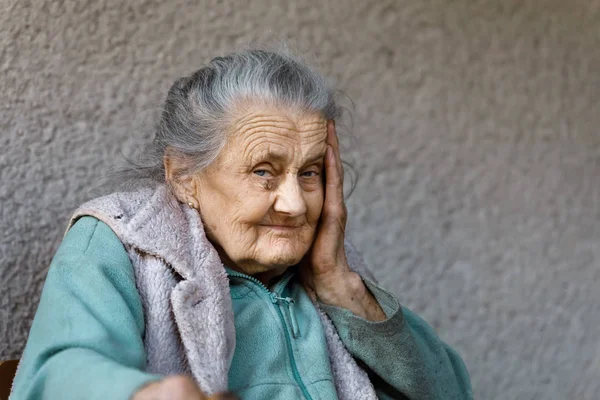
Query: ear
[[177, 178]]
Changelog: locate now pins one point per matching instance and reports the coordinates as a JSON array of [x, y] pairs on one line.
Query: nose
[[290, 199]]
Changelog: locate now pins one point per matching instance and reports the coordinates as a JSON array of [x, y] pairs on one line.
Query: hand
[[176, 387], [324, 270]]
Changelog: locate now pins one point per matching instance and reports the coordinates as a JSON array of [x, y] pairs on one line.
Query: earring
[[191, 204]]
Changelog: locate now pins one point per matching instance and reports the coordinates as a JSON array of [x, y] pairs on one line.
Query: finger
[[334, 172], [333, 140], [334, 191]]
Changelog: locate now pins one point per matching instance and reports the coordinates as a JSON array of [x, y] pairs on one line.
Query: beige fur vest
[[189, 327]]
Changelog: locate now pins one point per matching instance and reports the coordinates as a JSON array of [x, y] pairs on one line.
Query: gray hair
[[199, 108]]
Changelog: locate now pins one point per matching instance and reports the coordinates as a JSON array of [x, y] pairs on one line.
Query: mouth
[[283, 228]]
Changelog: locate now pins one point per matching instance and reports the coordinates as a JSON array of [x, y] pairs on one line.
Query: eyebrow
[[276, 156]]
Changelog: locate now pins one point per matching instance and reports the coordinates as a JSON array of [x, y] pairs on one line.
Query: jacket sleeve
[[403, 356], [86, 338]]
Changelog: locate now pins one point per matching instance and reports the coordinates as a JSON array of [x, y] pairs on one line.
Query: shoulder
[[118, 206], [88, 232], [92, 259], [120, 212], [92, 239]]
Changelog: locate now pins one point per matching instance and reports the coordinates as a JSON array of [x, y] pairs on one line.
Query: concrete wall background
[[479, 154]]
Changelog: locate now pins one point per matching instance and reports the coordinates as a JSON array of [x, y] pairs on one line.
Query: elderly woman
[[230, 273]]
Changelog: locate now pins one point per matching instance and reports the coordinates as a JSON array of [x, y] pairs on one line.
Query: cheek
[[249, 210], [229, 215], [237, 221]]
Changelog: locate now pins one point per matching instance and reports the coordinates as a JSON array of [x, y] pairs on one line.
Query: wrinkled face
[[261, 200]]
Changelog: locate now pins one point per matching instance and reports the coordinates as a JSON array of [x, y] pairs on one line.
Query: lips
[[282, 226]]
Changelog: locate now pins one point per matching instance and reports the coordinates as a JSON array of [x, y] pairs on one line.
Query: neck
[[269, 276], [264, 274]]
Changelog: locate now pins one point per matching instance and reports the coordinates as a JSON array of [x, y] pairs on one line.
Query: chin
[[281, 260], [270, 264]]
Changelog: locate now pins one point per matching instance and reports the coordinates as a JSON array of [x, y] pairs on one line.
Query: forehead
[[272, 130]]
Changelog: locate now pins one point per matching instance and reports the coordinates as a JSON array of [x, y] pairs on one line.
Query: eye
[[261, 172], [310, 174]]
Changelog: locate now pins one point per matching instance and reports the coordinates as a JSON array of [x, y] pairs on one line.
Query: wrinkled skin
[[272, 199], [262, 198]]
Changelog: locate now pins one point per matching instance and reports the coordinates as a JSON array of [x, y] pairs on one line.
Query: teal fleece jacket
[[86, 341]]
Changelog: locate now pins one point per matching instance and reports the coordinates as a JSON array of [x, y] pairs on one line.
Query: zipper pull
[[295, 327], [294, 321]]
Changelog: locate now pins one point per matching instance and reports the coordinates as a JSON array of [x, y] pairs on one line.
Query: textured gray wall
[[476, 120]]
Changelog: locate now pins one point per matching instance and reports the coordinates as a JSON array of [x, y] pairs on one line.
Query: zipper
[[290, 303], [276, 300]]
